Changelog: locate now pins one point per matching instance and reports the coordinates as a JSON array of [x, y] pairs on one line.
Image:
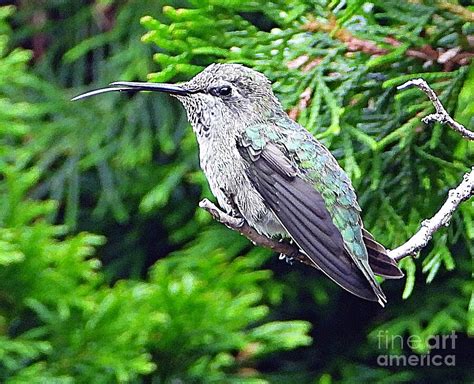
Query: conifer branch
[[449, 58]]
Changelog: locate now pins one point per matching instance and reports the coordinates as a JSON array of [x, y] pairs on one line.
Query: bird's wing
[[320, 169], [302, 210]]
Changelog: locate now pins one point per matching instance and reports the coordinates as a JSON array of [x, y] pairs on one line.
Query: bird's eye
[[225, 90]]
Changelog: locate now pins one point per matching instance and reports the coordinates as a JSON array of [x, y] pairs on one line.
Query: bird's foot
[[239, 221], [231, 221], [288, 259], [232, 209]]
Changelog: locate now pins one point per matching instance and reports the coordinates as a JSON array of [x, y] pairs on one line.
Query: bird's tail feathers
[[379, 261]]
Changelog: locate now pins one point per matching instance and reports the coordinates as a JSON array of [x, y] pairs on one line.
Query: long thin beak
[[120, 86]]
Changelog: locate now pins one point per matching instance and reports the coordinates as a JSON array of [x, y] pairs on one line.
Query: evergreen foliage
[[160, 293], [61, 322]]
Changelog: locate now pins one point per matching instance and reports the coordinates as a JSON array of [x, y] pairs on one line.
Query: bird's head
[[221, 94]]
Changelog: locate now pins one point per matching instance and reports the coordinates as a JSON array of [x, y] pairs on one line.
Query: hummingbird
[[265, 168]]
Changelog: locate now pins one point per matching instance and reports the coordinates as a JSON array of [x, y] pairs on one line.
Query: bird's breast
[[225, 171]]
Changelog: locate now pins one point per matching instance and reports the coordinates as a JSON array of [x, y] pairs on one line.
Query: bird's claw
[[288, 259]]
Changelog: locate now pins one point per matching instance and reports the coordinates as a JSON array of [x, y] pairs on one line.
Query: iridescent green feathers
[[314, 165]]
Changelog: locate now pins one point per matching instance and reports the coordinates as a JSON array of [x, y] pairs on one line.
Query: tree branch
[[441, 115], [420, 239], [455, 197], [241, 226], [417, 242]]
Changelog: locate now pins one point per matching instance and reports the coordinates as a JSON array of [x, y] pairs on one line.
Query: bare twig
[[420, 239], [456, 196], [441, 115]]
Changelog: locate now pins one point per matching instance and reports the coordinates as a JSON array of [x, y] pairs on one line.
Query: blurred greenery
[[108, 270]]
